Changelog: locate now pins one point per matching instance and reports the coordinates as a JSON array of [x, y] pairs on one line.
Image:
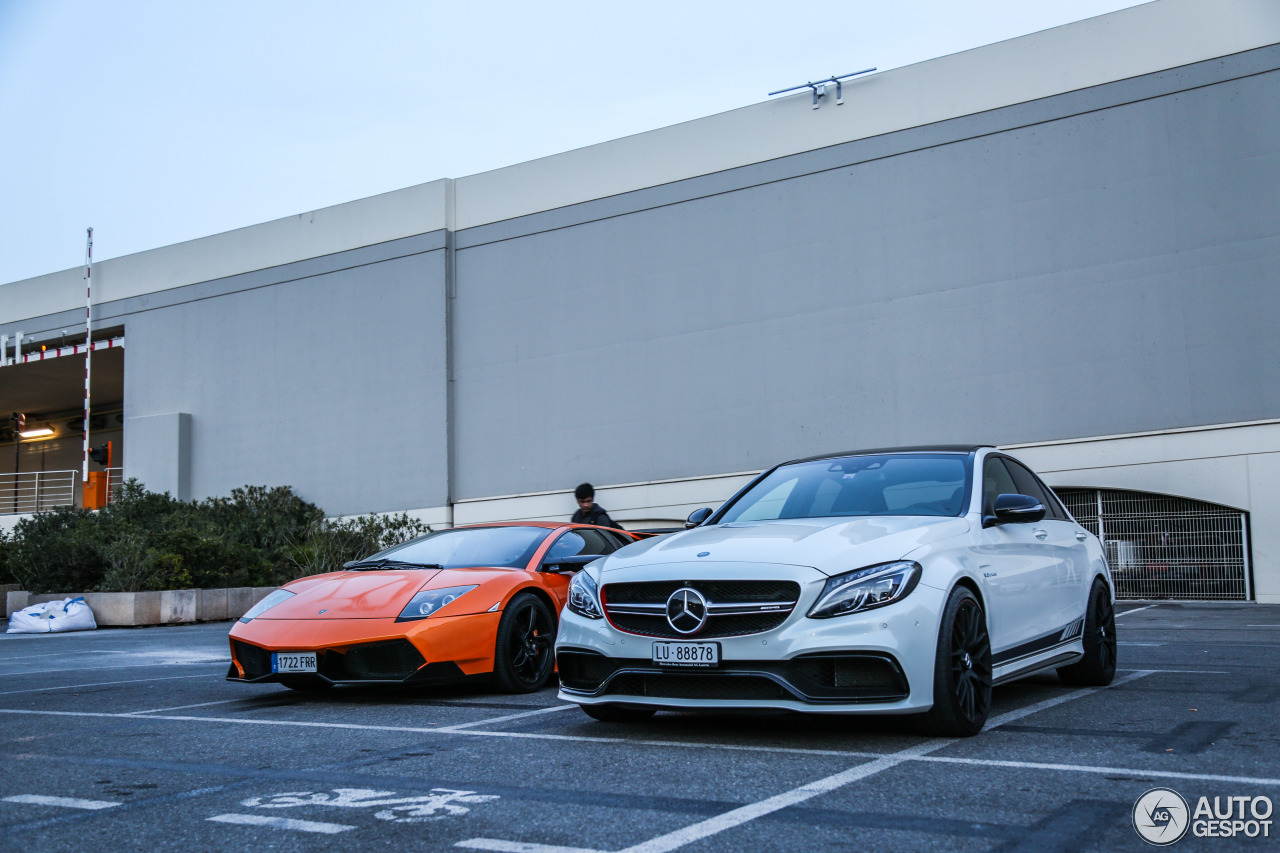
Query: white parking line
[[1134, 610], [65, 802], [96, 684], [745, 814], [151, 665], [520, 847], [1120, 771], [1181, 671], [282, 823], [493, 720], [184, 707]]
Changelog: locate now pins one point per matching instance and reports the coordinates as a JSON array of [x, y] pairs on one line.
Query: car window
[[619, 540], [461, 547], [995, 481], [933, 484], [1029, 484], [770, 504], [581, 541]]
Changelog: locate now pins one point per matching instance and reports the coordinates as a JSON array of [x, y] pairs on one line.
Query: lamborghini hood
[[382, 594]]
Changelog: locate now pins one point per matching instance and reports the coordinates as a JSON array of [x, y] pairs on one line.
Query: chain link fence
[[1161, 546]]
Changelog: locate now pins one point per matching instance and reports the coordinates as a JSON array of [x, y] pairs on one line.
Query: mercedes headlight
[[267, 603], [584, 597], [429, 601], [864, 589]]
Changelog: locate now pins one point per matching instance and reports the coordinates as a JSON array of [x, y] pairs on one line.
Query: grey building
[[1066, 243]]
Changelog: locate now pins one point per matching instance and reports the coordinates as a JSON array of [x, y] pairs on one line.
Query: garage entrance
[[1160, 546], [40, 468]]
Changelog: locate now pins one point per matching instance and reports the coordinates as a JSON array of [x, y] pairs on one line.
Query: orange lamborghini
[[469, 602]]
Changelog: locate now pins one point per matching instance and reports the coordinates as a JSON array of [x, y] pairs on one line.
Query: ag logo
[[1161, 816]]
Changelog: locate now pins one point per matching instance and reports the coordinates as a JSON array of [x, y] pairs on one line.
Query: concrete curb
[[5, 589], [165, 607]]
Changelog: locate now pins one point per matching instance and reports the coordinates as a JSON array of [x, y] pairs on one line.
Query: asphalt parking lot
[[132, 740]]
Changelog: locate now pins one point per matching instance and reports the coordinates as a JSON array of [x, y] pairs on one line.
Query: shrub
[[329, 544], [57, 550], [257, 536]]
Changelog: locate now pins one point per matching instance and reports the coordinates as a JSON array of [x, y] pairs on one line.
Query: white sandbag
[[28, 620], [73, 615], [67, 614]]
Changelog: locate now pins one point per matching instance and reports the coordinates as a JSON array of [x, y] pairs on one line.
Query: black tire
[[1098, 666], [961, 670], [524, 657], [618, 713]]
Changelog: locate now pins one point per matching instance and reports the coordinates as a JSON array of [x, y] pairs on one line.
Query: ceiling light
[[41, 432]]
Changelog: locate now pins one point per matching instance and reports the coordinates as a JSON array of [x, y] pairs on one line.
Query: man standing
[[589, 512]]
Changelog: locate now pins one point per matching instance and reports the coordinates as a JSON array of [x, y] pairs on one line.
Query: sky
[[159, 122]]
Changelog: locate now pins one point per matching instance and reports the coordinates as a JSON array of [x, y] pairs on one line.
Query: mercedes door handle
[[1081, 536], [1041, 533]]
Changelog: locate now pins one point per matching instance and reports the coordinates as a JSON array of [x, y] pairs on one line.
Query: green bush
[[142, 540], [329, 544]]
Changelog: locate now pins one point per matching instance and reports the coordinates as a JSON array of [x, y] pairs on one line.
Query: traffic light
[[101, 454]]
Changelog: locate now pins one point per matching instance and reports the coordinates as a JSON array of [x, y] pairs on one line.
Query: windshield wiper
[[372, 565]]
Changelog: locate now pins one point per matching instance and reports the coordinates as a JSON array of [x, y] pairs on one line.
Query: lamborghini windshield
[[464, 547]]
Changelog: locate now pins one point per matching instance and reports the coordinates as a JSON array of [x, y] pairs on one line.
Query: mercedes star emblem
[[686, 610]]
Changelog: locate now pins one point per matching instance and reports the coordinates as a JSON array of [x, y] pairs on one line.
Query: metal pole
[[88, 351], [16, 438]]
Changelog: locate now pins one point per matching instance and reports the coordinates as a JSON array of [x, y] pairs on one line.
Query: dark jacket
[[598, 515]]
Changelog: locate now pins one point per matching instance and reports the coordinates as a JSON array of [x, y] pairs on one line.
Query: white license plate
[[686, 654], [293, 661]]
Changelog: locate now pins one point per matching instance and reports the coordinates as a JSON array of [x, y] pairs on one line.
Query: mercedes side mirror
[[1014, 509], [569, 564], [697, 518]]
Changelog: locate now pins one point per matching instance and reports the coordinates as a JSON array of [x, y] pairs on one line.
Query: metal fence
[[39, 491], [1161, 546]]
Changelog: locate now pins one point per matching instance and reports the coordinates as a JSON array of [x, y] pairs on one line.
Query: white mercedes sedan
[[899, 581]]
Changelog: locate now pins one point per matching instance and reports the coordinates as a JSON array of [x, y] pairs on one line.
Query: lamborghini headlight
[[429, 601], [584, 597], [864, 589], [267, 603]]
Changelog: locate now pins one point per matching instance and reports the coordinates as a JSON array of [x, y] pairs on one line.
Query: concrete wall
[[1102, 262], [330, 379], [368, 221]]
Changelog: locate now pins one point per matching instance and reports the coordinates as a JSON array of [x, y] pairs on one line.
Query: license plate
[[293, 661], [686, 654]]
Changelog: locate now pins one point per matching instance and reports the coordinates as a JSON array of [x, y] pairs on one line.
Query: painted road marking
[[98, 684], [282, 823], [1119, 771], [184, 707], [523, 847], [65, 802], [1134, 610], [112, 666], [439, 804], [745, 814], [493, 720], [576, 738]]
